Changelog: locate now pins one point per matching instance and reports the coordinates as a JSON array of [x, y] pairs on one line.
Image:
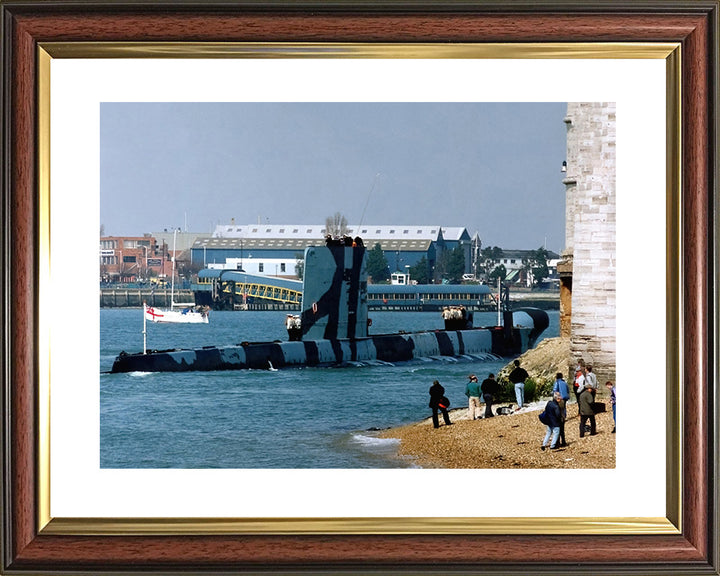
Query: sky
[[493, 168]]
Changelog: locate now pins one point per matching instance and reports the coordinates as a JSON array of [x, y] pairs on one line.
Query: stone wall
[[590, 234]]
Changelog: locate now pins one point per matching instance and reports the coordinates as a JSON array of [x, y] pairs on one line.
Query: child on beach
[[611, 387]]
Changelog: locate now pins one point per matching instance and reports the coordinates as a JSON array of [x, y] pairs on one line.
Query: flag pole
[[144, 328]]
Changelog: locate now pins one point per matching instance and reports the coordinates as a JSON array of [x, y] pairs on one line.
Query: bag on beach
[[544, 418], [598, 407]]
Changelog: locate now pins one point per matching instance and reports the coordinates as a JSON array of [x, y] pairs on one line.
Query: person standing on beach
[[553, 414], [518, 377], [489, 388], [579, 378], [472, 391], [591, 380], [561, 388], [585, 408], [611, 387], [439, 402]]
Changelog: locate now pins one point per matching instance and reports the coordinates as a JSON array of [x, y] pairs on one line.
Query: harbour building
[[277, 249]]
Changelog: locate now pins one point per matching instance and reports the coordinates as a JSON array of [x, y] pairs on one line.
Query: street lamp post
[[146, 260]]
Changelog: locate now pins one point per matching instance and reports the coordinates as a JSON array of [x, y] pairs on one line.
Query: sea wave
[[373, 442]]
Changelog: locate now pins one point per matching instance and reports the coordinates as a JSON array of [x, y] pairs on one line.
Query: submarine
[[333, 328]]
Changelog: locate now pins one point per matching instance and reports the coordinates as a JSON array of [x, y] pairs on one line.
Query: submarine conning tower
[[334, 303]]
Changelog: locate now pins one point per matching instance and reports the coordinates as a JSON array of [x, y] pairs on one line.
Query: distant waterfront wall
[[590, 234], [134, 297]]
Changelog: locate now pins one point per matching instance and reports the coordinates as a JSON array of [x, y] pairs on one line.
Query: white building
[[280, 267]]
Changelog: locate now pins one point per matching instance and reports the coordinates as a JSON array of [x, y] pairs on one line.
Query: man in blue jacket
[[553, 419], [564, 390]]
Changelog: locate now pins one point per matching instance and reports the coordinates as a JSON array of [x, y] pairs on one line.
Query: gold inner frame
[[671, 524]]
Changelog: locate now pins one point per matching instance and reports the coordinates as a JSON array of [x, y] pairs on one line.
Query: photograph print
[[357, 285]]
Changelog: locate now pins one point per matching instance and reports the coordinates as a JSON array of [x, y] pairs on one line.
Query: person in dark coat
[[489, 389], [518, 377], [438, 402], [585, 407], [553, 421]]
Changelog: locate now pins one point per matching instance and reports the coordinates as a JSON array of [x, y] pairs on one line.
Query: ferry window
[[308, 231], [282, 230], [512, 261], [282, 267], [261, 267], [295, 230], [392, 231], [377, 231], [419, 232], [268, 229], [364, 231], [254, 229], [406, 231]]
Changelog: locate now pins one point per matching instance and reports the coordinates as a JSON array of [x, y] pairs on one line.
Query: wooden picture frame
[[31, 545]]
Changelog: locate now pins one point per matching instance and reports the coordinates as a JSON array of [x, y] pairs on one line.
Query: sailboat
[[184, 314]]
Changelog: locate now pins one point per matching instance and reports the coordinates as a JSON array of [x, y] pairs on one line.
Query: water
[[291, 418]]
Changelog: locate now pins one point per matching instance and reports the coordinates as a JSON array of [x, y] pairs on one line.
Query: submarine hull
[[334, 329], [323, 352]]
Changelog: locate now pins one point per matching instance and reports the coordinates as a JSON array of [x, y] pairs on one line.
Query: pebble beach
[[509, 441]]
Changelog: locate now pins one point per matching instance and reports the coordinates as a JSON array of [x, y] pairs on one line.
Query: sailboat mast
[[172, 279]]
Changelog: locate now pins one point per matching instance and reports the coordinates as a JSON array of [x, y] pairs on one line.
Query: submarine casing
[[381, 348]]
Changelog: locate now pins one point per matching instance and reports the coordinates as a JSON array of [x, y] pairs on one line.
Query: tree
[[498, 272], [420, 272], [489, 257], [377, 265], [493, 253], [299, 265], [536, 265], [336, 225], [451, 265]]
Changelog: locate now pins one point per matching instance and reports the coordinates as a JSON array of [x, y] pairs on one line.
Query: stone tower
[[587, 269]]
